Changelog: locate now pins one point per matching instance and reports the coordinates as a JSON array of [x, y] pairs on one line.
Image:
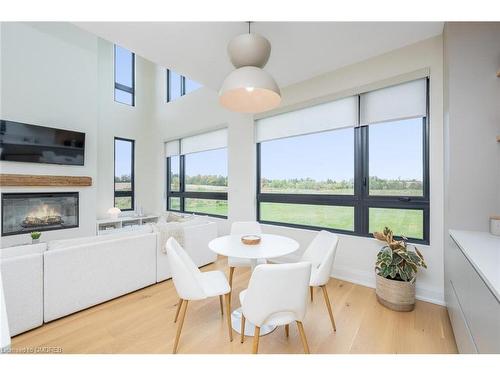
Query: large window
[[350, 166], [178, 85], [124, 174], [124, 76], [197, 174]]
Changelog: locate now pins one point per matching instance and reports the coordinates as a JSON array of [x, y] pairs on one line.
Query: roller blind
[[172, 148], [406, 100], [204, 142], [340, 113]]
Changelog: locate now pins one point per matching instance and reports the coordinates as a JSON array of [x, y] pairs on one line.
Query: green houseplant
[[35, 237], [396, 269]]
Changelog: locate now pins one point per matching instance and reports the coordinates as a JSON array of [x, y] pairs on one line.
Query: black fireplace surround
[[37, 212]]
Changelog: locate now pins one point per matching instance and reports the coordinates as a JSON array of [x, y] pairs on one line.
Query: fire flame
[[43, 211]]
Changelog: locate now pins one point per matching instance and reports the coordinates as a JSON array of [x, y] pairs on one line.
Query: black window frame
[[182, 194], [360, 200], [183, 86], [118, 194], [119, 86]]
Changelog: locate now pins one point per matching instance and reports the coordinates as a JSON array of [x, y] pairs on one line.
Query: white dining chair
[[321, 254], [243, 228], [276, 295], [191, 285]]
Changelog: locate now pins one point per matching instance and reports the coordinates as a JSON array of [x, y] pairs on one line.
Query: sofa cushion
[[15, 251]]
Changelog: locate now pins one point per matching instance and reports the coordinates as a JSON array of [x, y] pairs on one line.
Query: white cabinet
[[124, 221], [471, 290]]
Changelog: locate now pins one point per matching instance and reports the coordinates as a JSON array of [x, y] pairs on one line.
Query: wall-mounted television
[[38, 144]]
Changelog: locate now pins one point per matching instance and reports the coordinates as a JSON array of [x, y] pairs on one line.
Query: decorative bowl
[[250, 239]]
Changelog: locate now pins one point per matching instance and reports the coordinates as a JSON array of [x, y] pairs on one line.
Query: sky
[[395, 152], [212, 162], [123, 156]]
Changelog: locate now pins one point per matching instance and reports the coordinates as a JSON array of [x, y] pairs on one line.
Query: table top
[[270, 246]]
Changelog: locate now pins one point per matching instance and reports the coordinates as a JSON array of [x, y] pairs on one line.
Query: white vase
[[35, 241]]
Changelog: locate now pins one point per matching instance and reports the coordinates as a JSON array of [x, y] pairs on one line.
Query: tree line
[[375, 182], [123, 178]]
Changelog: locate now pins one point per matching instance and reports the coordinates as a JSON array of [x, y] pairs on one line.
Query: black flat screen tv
[[38, 144]]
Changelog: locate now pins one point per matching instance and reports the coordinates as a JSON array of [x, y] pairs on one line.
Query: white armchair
[[276, 295], [321, 254], [192, 284]]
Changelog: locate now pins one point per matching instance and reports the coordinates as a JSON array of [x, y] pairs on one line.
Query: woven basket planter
[[396, 295]]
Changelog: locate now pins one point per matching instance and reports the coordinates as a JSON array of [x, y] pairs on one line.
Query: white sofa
[[47, 281], [22, 275], [77, 276]]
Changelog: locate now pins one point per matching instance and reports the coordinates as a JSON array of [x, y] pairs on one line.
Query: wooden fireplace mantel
[[43, 180]]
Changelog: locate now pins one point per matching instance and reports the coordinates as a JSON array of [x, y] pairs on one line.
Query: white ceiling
[[300, 50]]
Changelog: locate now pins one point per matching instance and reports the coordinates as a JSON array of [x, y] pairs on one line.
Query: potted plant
[[396, 271], [35, 237]]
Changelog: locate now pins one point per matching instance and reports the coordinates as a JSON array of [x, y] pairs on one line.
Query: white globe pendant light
[[249, 89]]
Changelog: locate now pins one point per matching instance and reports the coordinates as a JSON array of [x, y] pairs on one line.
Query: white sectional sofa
[[44, 282]]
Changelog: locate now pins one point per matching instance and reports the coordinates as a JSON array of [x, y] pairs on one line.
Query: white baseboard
[[368, 279]]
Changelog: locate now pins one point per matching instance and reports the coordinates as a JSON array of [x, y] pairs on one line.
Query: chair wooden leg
[[178, 309], [243, 319], [179, 327], [231, 272], [303, 337], [228, 315], [221, 305], [327, 301], [311, 292], [256, 337], [287, 330]]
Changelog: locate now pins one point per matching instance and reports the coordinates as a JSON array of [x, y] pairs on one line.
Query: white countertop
[[482, 249]]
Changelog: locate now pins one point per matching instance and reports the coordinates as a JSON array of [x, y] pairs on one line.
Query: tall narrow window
[[178, 85], [351, 166], [124, 76], [124, 174], [197, 174]]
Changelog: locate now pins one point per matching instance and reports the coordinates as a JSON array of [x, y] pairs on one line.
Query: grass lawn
[[403, 222], [206, 206]]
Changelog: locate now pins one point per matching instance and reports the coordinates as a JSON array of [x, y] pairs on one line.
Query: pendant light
[[249, 89]]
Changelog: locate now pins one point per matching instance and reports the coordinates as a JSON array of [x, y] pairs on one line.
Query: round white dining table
[[270, 246]]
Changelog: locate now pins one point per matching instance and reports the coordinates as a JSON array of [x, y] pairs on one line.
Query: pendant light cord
[[249, 22]]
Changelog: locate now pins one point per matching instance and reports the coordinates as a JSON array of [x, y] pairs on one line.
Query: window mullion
[[182, 169]]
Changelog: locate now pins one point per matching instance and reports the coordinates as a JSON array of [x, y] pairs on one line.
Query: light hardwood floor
[[142, 322]]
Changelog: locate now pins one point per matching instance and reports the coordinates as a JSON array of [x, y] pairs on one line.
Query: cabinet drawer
[[463, 337], [480, 307]]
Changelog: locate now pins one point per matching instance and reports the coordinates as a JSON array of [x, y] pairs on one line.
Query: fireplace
[[29, 212]]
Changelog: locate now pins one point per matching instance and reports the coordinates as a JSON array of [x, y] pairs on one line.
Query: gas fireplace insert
[[29, 212]]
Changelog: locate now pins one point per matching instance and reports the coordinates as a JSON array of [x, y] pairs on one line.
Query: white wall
[[355, 259], [49, 78], [55, 74], [124, 121], [472, 123]]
